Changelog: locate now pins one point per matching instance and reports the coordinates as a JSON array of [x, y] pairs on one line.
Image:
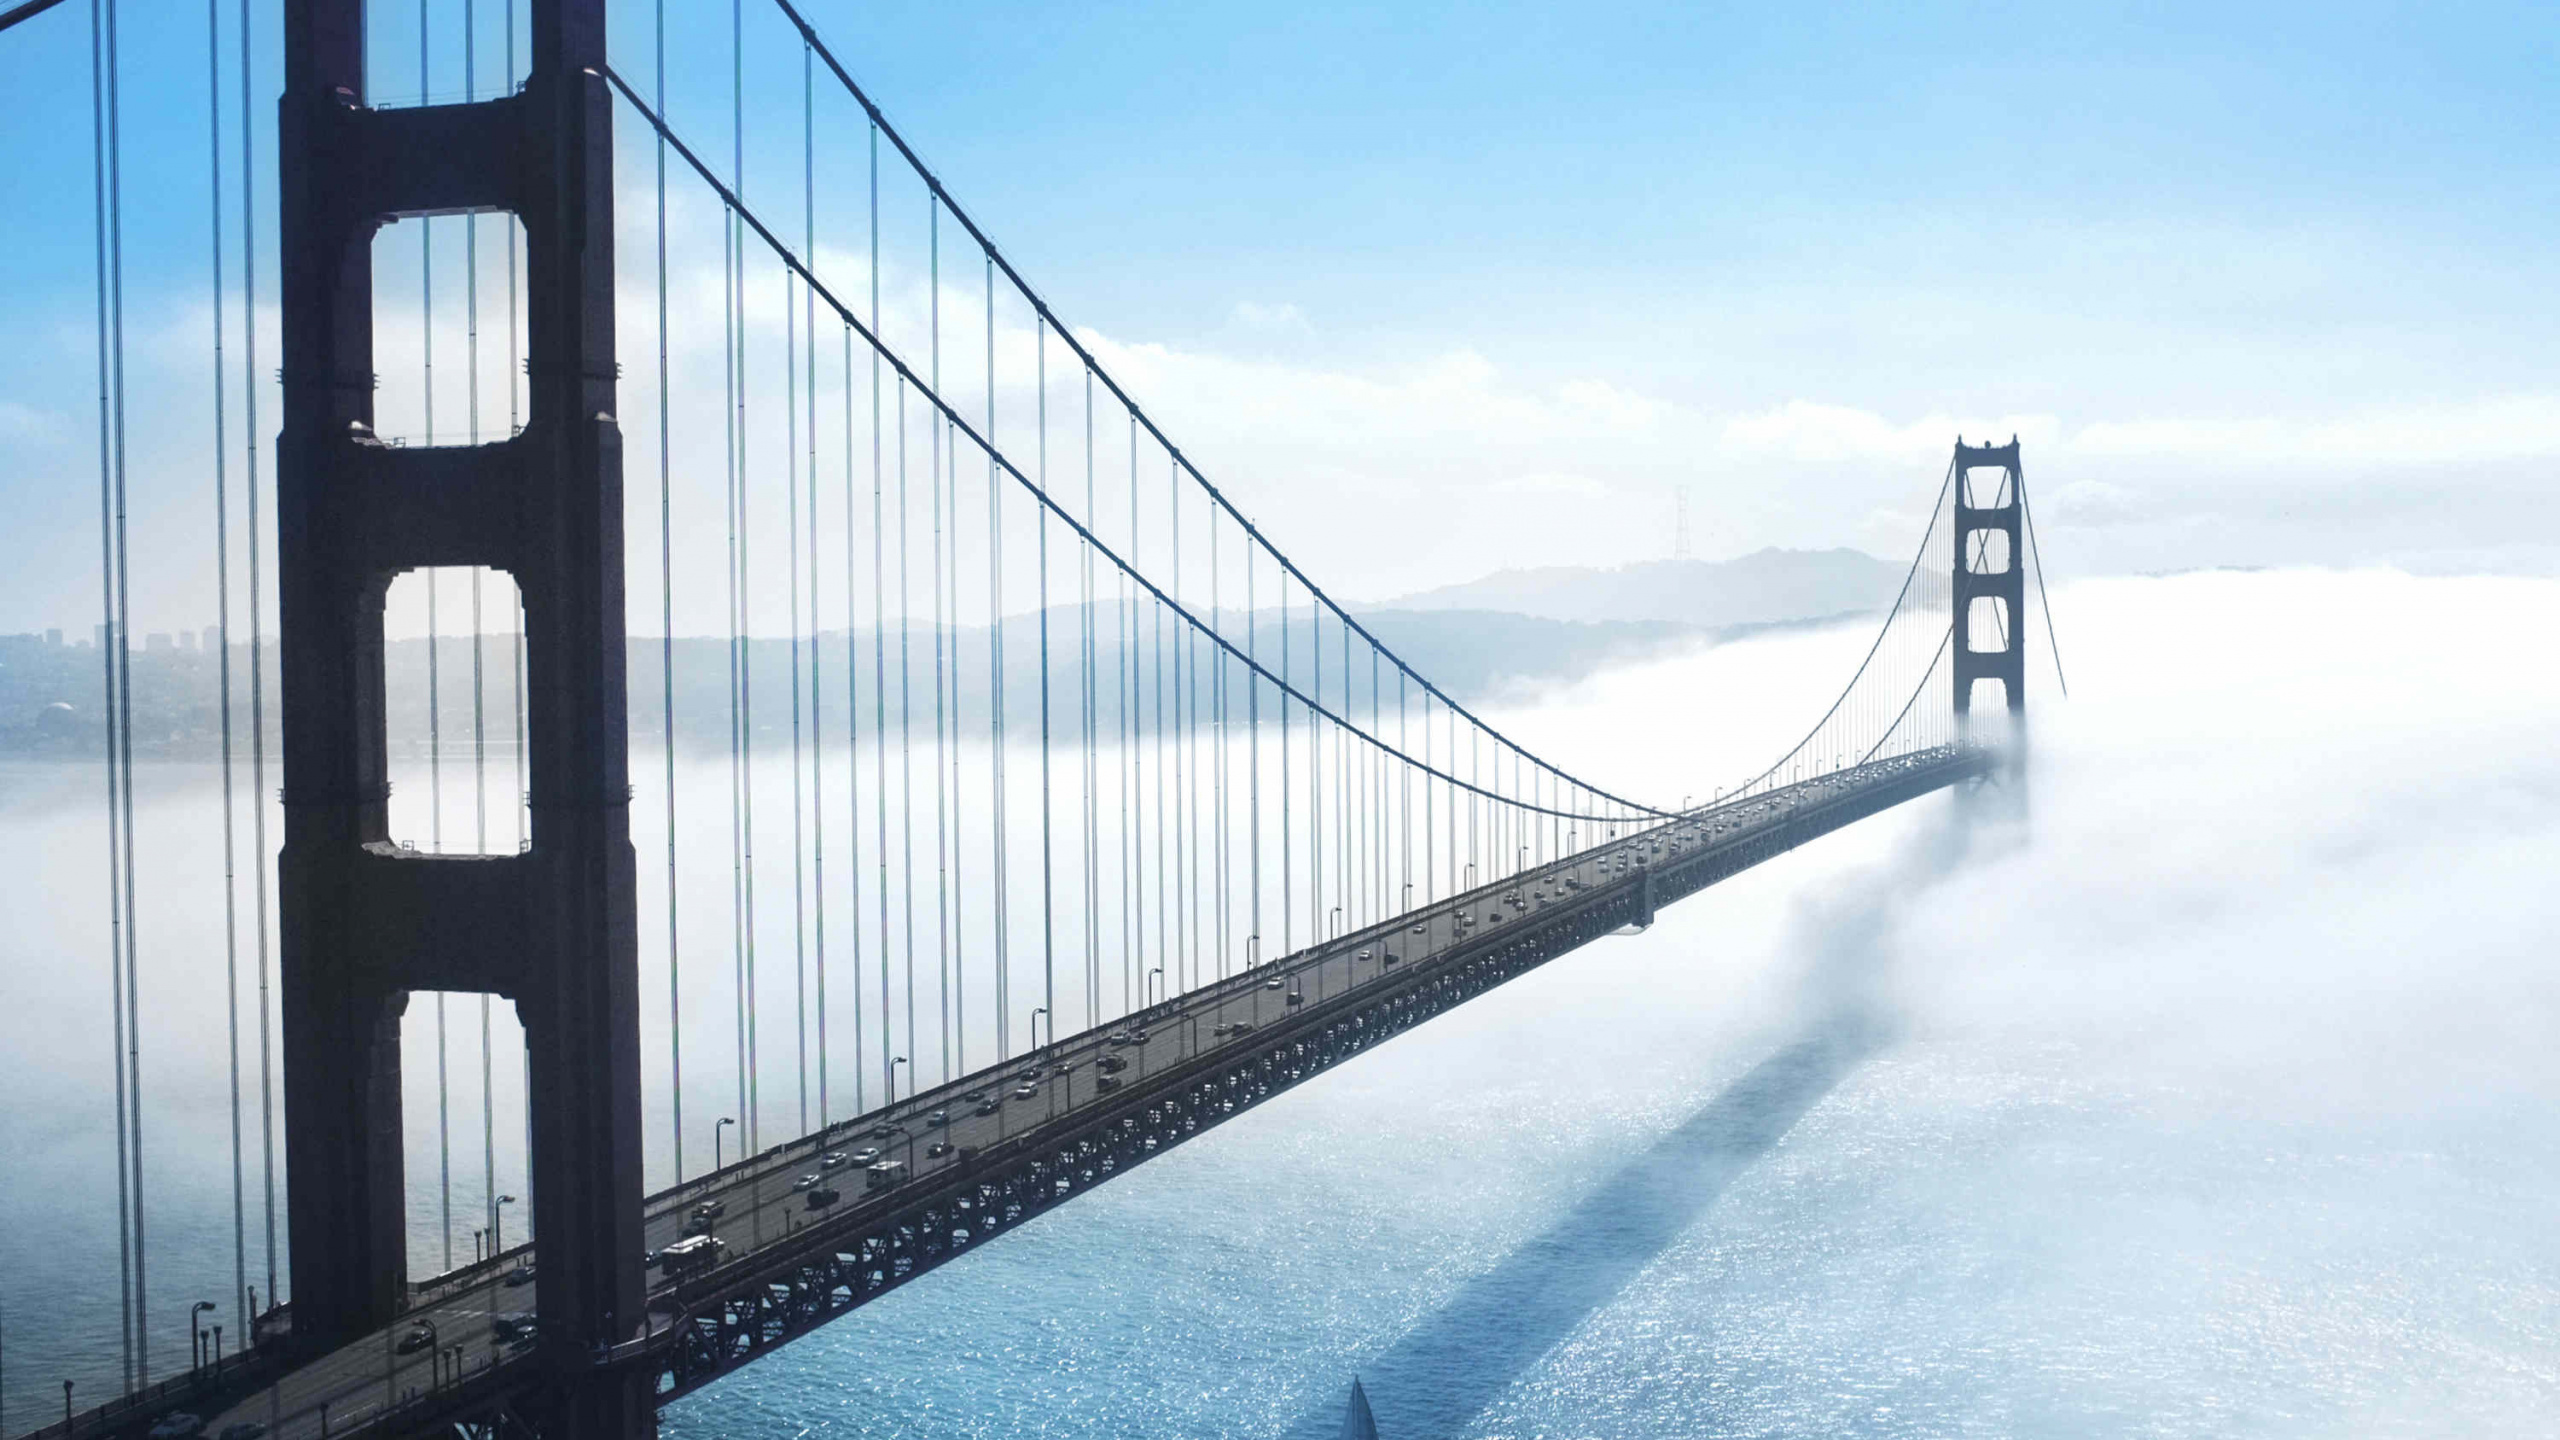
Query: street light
[[894, 1062], [497, 1215], [715, 1140], [1036, 1012], [195, 1333], [1155, 985]]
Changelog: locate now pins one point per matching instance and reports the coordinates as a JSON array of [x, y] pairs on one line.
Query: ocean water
[[2215, 1098]]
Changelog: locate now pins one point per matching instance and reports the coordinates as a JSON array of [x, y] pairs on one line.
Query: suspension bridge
[[1106, 822]]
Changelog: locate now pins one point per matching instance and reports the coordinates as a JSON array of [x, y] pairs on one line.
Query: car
[[1244, 1027], [1418, 928], [414, 1339], [973, 1097], [821, 1199], [938, 1119], [1222, 1030], [1117, 1039], [806, 1183], [1026, 1091], [868, 1155], [1297, 997], [1106, 1083], [1139, 1035], [520, 1276], [1027, 1076], [177, 1425], [833, 1160], [989, 1106], [1363, 955], [937, 1149], [1111, 1065], [513, 1325], [1274, 983], [710, 1209]]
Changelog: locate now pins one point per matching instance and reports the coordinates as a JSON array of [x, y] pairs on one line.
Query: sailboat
[[1357, 1422]]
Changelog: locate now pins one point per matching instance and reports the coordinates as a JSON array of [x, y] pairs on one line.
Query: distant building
[[213, 639], [157, 643], [53, 639], [187, 641]]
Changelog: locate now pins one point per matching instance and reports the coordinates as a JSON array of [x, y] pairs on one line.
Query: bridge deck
[[791, 1266]]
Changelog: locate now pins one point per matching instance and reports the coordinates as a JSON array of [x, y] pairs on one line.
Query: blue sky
[[2259, 284]]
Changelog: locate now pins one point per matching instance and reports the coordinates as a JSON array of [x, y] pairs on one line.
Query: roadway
[[939, 1127]]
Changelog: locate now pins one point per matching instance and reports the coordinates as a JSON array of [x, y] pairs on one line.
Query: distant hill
[[1757, 589], [1503, 637]]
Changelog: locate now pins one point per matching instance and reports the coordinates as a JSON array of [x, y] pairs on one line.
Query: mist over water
[[2214, 1099]]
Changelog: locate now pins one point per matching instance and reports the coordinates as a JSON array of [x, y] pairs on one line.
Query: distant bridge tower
[[364, 923], [1990, 585]]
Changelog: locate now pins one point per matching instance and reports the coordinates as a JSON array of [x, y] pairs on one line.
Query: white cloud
[[2498, 428], [1271, 319]]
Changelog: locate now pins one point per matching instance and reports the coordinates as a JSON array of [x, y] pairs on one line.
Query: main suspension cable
[[880, 122], [950, 418]]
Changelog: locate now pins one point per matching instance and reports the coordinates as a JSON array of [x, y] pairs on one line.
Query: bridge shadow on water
[[1441, 1374]]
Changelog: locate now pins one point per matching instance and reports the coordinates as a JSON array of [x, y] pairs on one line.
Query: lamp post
[[195, 1333], [894, 1062], [497, 1217], [1155, 986], [1036, 1012], [725, 1120]]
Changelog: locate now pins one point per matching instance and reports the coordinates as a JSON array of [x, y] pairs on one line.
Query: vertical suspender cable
[[479, 692], [222, 666], [121, 657], [941, 679], [791, 631], [516, 672], [110, 640], [744, 627], [853, 757], [257, 664], [747, 705], [435, 741], [1132, 769], [995, 666], [667, 636], [879, 628], [1288, 900], [729, 521], [2043, 600], [817, 688], [906, 740], [1253, 768], [1092, 837], [1226, 822], [1048, 811]]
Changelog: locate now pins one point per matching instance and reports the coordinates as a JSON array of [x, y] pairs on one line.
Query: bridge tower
[[364, 923], [1990, 585]]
